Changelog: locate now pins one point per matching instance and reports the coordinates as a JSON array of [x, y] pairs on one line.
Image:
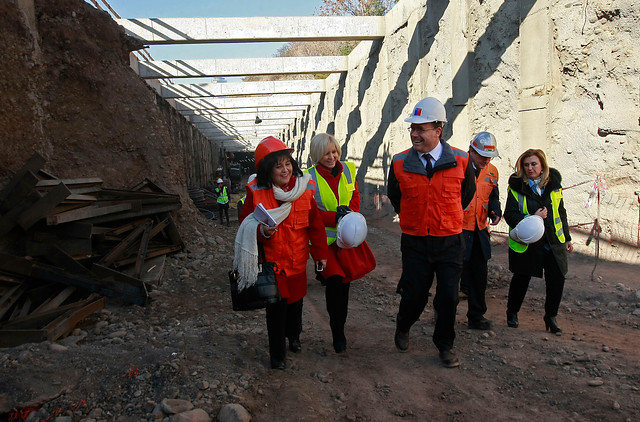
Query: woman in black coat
[[535, 189]]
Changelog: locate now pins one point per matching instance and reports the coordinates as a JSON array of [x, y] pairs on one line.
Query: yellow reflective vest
[[326, 199]]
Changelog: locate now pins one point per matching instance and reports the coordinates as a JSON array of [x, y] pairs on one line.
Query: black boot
[[551, 325], [512, 319]]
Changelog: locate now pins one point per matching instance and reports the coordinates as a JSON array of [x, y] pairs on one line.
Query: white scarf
[[245, 259]]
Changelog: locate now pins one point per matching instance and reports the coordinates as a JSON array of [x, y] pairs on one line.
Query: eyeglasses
[[420, 130]]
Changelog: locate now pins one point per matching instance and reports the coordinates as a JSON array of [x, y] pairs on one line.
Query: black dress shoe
[[402, 340], [294, 345], [278, 364], [551, 325], [340, 346], [449, 359], [481, 324], [512, 320]]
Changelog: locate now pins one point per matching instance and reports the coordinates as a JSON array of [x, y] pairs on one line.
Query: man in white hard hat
[[484, 207], [223, 200], [429, 186]]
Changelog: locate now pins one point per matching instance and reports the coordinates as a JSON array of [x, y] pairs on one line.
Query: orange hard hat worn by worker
[[267, 146]]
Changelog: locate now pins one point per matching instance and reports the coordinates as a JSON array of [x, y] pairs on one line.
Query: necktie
[[428, 167]]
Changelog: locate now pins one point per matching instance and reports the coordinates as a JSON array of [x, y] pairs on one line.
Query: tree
[[356, 7]]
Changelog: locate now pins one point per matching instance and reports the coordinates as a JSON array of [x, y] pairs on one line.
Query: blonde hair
[[320, 145], [543, 162]]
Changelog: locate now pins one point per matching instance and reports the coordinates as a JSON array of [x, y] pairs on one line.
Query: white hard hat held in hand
[[529, 230], [352, 230]]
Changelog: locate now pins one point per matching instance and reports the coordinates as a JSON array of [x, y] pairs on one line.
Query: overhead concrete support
[[535, 77], [242, 124], [254, 29], [266, 115], [242, 88], [244, 102], [155, 69]]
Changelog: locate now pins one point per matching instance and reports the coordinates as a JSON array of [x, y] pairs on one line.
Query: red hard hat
[[267, 146]]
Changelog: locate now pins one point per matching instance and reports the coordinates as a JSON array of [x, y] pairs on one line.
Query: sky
[[212, 8]]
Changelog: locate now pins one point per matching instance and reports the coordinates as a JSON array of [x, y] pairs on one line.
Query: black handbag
[[263, 292]]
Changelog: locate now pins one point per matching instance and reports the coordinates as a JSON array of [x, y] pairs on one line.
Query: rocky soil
[[189, 350]]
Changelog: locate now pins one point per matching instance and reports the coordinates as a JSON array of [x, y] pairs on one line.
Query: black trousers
[[284, 320], [474, 277], [223, 208], [337, 299], [424, 257], [554, 281]]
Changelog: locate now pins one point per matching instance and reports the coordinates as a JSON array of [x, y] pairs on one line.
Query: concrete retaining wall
[[560, 76]]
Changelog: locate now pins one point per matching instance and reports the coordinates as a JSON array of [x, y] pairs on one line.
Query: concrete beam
[[249, 123], [228, 112], [249, 117], [242, 88], [162, 69], [254, 29], [244, 102]]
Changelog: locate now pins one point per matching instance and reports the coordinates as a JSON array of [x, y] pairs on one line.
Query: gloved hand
[[341, 211]]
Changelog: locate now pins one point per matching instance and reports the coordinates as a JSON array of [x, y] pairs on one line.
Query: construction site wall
[[560, 76]]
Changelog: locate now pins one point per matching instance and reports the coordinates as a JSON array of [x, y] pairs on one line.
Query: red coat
[[289, 247]]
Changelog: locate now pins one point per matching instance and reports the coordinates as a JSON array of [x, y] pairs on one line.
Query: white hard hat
[[484, 143], [528, 230], [251, 177], [219, 181], [427, 110], [352, 230]]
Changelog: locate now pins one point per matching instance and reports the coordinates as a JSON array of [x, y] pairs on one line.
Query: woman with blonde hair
[[337, 195], [535, 189]]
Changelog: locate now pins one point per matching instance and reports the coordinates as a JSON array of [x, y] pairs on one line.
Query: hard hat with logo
[[528, 230], [267, 146], [352, 230], [484, 143], [427, 110], [219, 181]]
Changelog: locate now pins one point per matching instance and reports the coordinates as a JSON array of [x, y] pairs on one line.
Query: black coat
[[531, 262]]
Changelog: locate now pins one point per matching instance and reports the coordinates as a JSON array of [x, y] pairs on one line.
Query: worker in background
[[223, 200], [429, 186], [484, 206], [240, 203]]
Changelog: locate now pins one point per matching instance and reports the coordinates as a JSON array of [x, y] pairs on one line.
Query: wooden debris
[[66, 244]]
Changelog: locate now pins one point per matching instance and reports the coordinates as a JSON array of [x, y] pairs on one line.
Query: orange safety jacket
[[478, 210], [288, 248], [431, 207]]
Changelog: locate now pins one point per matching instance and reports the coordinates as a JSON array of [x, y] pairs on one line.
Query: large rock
[[233, 413]]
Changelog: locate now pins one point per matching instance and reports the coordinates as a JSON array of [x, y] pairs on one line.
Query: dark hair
[[269, 162]]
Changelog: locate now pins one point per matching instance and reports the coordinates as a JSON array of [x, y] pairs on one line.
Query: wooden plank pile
[[65, 244]]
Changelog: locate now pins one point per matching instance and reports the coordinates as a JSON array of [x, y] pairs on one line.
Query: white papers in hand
[[262, 215]]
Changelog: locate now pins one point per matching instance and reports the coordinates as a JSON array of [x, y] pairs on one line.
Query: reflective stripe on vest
[[223, 198], [556, 197], [326, 199]]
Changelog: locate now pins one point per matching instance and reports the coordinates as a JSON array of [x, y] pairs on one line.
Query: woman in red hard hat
[[535, 189], [287, 194]]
